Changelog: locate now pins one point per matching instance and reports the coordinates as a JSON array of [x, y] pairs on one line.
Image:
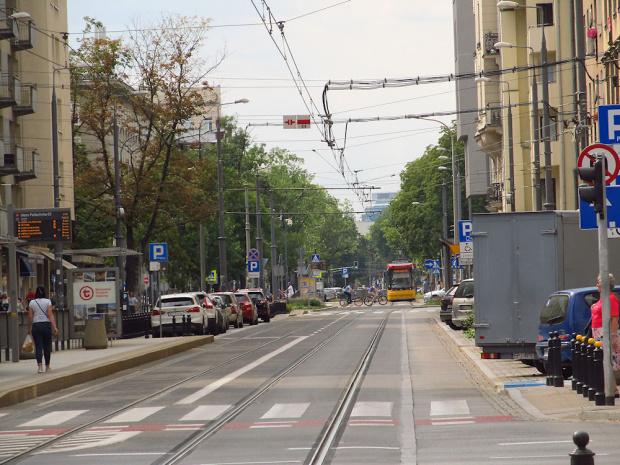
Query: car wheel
[[240, 323], [255, 320], [236, 323], [454, 327], [266, 319], [213, 329]]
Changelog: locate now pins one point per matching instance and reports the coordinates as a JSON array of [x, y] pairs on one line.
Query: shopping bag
[[28, 345]]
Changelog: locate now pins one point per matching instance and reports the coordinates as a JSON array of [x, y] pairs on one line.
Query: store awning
[[65, 263], [25, 268]]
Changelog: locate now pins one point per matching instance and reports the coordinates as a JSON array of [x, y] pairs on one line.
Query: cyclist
[[372, 290], [347, 292]]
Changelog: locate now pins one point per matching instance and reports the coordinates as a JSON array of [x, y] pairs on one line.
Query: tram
[[400, 282]]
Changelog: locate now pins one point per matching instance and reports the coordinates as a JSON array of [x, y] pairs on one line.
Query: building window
[[544, 14]]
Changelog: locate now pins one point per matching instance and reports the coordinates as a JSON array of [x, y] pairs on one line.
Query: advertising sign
[[95, 296]]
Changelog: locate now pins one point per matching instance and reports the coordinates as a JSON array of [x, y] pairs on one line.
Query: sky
[[337, 40]]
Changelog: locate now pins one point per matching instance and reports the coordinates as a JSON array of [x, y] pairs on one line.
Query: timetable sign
[[43, 225]]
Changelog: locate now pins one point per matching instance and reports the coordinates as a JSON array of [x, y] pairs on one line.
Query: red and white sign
[[587, 158], [94, 293], [146, 280], [296, 121]]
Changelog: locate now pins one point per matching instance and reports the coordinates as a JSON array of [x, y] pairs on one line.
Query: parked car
[[463, 302], [214, 314], [434, 295], [332, 293], [232, 308], [180, 307], [261, 302], [248, 308], [567, 312], [445, 306], [218, 302]]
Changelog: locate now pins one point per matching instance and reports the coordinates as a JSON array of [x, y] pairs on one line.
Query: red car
[[248, 307], [261, 302]]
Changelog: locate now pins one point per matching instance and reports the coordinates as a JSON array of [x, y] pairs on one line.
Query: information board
[[43, 225]]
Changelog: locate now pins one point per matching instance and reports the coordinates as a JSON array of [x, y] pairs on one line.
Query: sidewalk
[[20, 381], [527, 387]]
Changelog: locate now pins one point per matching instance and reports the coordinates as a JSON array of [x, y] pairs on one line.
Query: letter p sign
[[158, 252]]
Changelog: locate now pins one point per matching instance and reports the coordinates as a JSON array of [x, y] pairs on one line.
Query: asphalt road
[[267, 394]]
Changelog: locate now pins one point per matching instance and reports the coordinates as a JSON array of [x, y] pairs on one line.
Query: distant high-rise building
[[379, 202]]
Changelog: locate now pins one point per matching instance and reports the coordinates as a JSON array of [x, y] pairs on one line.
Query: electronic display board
[[43, 225]]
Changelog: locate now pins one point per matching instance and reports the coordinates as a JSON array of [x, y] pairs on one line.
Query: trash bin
[[95, 336]]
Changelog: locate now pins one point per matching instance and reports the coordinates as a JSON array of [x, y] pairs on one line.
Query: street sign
[[345, 272], [456, 264], [146, 280], [315, 258], [253, 254], [430, 263], [158, 252], [212, 278], [253, 268], [587, 158], [609, 124], [465, 229], [587, 216], [296, 121]]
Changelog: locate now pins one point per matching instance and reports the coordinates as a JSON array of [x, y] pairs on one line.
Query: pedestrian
[[5, 302], [439, 286], [29, 296], [425, 287], [597, 325], [42, 326], [290, 291], [132, 302]]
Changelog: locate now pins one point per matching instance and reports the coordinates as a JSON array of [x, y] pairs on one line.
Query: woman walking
[[41, 326]]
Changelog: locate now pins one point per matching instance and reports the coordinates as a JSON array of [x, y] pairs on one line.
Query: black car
[[445, 310], [261, 302]]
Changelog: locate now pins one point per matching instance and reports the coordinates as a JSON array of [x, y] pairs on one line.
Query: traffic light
[[593, 192], [355, 264]]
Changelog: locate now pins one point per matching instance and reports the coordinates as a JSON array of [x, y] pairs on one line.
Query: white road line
[[134, 415], [205, 413], [449, 407], [442, 423], [235, 374], [286, 411], [54, 418], [406, 426], [372, 409]]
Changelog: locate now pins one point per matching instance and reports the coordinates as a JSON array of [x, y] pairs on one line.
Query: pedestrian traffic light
[[593, 192], [355, 264]]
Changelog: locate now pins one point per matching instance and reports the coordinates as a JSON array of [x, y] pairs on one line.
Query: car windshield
[[176, 302], [465, 289]]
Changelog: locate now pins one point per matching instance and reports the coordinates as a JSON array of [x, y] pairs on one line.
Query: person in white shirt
[[290, 291]]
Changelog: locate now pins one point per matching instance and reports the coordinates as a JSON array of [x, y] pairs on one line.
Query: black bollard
[[574, 362], [584, 367], [558, 376], [550, 357], [174, 325], [147, 327], [577, 365], [581, 455], [591, 372], [599, 376]]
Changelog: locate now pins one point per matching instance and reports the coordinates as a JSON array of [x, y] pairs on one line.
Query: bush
[[468, 326], [302, 303]]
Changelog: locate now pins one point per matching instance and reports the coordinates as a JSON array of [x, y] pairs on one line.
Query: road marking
[[286, 411], [205, 413], [54, 418], [372, 409], [449, 407], [134, 415], [235, 374]]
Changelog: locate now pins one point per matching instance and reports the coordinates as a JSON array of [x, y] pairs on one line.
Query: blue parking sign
[[609, 124], [158, 252]]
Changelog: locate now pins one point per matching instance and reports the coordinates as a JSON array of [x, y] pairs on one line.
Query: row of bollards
[[185, 327], [555, 376], [588, 376]]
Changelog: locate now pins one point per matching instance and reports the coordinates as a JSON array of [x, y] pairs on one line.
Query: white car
[[215, 318], [434, 295], [177, 309]]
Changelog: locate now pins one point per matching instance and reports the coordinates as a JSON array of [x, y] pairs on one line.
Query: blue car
[[566, 312]]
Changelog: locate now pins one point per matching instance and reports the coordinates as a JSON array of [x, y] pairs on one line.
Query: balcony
[[8, 26], [24, 39], [28, 102], [28, 164], [10, 90]]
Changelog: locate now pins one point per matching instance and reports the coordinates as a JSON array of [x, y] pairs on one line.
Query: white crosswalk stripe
[[449, 407], [205, 413], [54, 418], [11, 444], [134, 415], [372, 409], [286, 411]]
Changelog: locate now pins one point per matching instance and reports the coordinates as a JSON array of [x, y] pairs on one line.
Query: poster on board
[[94, 296]]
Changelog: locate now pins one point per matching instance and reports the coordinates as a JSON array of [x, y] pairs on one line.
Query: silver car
[[232, 307], [463, 302]]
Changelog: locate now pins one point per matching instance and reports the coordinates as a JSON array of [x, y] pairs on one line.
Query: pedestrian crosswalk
[[370, 311]]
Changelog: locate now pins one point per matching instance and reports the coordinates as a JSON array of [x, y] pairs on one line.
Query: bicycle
[[380, 299], [355, 300]]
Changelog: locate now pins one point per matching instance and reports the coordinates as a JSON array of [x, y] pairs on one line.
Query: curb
[[31, 387]]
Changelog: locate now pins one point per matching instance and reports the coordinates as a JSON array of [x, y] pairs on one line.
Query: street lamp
[[220, 196], [511, 166], [535, 123], [59, 290]]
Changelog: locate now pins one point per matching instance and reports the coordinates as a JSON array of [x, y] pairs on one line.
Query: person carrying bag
[[42, 326]]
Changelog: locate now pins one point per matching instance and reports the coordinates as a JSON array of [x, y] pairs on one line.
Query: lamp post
[[535, 123], [220, 196]]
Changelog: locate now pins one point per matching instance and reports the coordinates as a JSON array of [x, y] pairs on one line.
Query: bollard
[[558, 376], [174, 325], [577, 365], [147, 327], [599, 378], [584, 367], [185, 323], [550, 358], [591, 372], [581, 455], [575, 362]]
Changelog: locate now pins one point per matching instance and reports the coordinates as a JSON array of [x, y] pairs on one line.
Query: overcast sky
[[328, 40]]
